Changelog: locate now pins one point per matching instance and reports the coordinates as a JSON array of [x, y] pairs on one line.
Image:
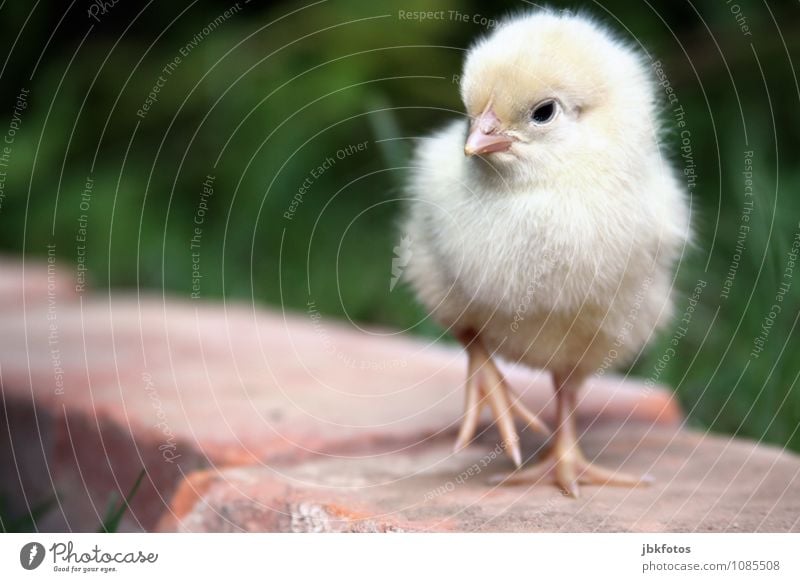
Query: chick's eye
[[544, 112]]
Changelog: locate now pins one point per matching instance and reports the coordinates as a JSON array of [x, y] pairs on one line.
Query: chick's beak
[[485, 136]]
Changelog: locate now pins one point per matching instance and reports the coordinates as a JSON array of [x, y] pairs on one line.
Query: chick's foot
[[486, 385], [565, 463]]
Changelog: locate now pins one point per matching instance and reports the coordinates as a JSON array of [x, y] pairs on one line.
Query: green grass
[[116, 508], [12, 521]]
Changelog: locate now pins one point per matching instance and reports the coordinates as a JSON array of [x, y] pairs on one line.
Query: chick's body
[[552, 242], [553, 279]]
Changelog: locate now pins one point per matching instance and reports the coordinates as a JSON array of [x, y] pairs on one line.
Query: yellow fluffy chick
[[545, 229]]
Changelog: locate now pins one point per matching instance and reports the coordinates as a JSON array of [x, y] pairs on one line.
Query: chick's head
[[552, 96]]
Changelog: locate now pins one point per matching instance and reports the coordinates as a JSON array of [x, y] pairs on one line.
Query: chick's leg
[[486, 385], [565, 463]]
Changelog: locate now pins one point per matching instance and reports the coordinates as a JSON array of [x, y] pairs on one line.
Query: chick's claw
[[565, 463], [486, 385], [568, 471]]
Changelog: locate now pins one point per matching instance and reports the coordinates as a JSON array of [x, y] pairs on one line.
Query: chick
[[545, 228]]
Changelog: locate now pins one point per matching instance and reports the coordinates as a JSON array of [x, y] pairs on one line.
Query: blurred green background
[[263, 96]]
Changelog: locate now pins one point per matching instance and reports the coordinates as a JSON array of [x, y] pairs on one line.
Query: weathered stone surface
[[703, 483], [95, 389]]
